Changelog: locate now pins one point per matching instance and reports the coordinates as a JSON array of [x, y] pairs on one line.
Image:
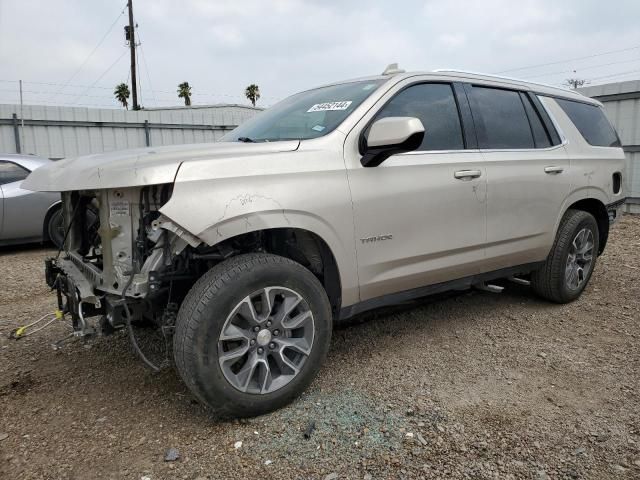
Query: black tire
[[550, 281], [55, 228], [202, 317]]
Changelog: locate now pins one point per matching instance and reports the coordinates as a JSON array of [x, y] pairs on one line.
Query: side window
[[435, 105], [540, 134], [10, 172], [500, 118], [591, 122]]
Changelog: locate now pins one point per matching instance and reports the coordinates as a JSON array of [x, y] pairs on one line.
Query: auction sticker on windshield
[[323, 107]]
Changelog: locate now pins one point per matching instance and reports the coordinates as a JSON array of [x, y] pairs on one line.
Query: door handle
[[467, 174], [553, 170]]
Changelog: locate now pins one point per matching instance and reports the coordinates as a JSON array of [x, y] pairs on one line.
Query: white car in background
[[27, 216]]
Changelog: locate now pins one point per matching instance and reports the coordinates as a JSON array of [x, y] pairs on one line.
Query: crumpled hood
[[142, 166]]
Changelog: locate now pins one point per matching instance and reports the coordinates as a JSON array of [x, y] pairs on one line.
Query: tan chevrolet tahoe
[[337, 200]]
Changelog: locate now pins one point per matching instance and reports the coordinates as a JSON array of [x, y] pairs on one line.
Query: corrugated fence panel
[[622, 104], [58, 132]]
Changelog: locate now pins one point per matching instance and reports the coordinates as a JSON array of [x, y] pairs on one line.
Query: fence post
[[147, 134], [16, 133]]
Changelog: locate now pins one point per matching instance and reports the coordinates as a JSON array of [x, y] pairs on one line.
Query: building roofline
[[196, 107]]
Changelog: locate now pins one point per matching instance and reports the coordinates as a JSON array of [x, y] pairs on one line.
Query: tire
[[220, 300], [554, 281], [55, 228]]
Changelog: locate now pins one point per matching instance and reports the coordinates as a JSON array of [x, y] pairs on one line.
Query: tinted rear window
[[10, 172], [540, 134], [501, 119], [591, 122]]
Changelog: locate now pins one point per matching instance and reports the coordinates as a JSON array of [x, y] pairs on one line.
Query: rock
[[331, 476], [171, 455], [237, 445], [3, 436], [309, 430], [542, 355]]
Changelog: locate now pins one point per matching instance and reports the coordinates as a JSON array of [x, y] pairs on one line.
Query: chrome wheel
[[266, 340], [580, 259]]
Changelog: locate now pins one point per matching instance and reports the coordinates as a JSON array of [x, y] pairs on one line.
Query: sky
[[73, 52]]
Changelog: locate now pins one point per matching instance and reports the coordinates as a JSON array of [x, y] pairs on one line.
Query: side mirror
[[389, 136]]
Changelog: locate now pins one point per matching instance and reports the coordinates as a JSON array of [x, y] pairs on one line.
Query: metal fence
[[58, 132]]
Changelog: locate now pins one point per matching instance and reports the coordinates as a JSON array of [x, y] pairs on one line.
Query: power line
[[172, 93], [90, 54], [146, 67], [100, 77], [582, 68], [570, 59], [629, 72]]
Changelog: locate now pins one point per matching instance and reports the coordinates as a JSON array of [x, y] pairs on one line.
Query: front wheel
[[568, 268], [251, 334]]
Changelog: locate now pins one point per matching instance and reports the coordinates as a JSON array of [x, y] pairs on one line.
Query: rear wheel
[[568, 268], [251, 334], [55, 228]]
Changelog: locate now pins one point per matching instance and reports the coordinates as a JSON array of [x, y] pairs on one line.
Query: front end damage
[[120, 260]]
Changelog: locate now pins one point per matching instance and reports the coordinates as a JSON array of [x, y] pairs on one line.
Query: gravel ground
[[473, 385]]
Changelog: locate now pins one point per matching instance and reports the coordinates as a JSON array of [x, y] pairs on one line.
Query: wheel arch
[[47, 217], [302, 246], [598, 209]]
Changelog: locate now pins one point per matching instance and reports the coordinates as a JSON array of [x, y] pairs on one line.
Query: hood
[[139, 167]]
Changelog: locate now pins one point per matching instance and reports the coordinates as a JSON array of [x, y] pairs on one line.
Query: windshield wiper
[[246, 140]]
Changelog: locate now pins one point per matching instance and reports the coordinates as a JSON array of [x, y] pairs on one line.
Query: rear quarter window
[[591, 122]]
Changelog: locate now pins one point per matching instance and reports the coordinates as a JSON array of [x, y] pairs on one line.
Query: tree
[[122, 94], [184, 91], [252, 93], [575, 82]]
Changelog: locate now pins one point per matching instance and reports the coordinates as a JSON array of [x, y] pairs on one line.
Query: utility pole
[[21, 117], [132, 46]]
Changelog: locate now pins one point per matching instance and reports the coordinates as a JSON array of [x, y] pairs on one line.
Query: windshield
[[306, 115]]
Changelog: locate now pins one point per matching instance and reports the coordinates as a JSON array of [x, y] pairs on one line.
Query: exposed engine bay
[[125, 262]]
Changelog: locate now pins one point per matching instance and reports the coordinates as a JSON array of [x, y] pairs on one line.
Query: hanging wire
[[64, 85], [100, 77]]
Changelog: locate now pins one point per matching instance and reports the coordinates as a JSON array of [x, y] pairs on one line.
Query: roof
[[30, 162], [613, 90], [484, 77]]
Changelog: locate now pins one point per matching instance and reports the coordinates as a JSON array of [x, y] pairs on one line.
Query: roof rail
[[452, 70]]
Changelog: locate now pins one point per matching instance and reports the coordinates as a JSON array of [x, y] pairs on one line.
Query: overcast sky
[[221, 46]]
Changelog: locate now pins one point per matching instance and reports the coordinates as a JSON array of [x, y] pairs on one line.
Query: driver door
[[419, 217]]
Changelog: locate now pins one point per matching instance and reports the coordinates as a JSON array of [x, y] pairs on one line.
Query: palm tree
[[122, 94], [252, 93], [184, 91]]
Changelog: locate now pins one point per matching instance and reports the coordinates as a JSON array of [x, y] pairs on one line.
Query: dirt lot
[[474, 385]]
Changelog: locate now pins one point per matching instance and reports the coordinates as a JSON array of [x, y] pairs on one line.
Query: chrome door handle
[[553, 170], [467, 174]]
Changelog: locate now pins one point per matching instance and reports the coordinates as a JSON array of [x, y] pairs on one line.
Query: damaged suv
[[334, 201]]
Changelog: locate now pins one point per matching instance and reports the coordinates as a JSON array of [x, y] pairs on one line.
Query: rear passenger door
[[527, 174]]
